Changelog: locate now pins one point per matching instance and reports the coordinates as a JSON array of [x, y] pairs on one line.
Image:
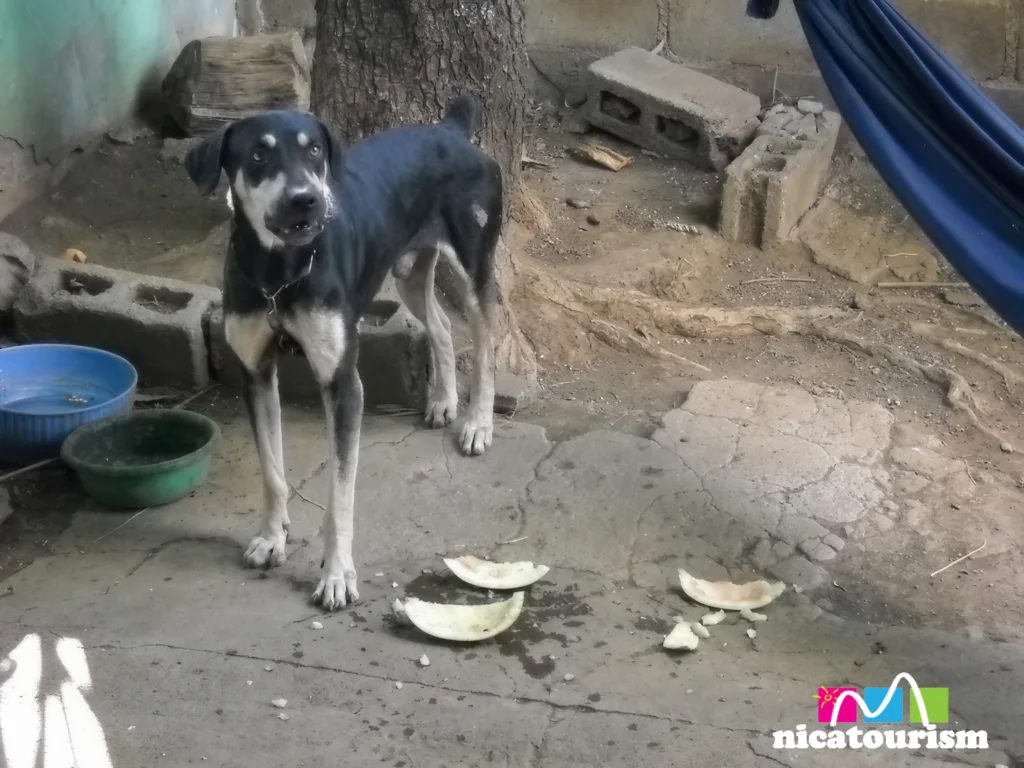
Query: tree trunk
[[379, 63]]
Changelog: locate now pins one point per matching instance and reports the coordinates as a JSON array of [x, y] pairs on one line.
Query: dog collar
[[272, 314]]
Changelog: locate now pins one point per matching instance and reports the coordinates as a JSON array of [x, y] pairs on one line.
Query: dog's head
[[279, 166]]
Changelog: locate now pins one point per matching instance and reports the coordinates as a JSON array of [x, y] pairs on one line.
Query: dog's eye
[[314, 151], [260, 155]]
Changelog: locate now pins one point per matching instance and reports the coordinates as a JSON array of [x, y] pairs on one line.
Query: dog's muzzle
[[299, 217]]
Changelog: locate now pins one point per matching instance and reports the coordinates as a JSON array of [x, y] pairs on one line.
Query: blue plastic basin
[[47, 391]]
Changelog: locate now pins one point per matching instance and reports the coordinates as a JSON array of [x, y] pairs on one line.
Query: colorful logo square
[[936, 704], [827, 698], [873, 700]]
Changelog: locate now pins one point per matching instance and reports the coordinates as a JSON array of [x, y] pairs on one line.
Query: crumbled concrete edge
[[779, 176]]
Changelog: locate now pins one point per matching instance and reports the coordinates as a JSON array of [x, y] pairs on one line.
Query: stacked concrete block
[[394, 359], [779, 176], [159, 325], [669, 108]]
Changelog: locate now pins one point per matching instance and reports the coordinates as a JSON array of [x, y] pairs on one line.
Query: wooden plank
[[220, 79]]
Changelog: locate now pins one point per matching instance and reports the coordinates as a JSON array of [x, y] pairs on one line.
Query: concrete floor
[[186, 649]]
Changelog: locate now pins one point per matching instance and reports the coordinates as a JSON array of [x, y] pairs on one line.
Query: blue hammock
[[951, 156]]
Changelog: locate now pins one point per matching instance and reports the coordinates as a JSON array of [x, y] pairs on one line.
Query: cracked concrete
[[188, 648]]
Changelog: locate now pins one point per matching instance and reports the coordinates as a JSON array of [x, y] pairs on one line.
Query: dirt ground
[[626, 314]]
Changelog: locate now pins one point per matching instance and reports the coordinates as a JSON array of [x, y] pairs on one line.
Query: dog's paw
[[267, 551], [335, 591], [477, 433], [441, 411]]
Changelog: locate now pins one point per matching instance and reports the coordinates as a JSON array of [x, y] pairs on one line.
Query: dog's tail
[[461, 114]]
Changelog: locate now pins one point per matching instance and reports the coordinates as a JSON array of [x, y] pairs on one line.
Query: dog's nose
[[302, 201]]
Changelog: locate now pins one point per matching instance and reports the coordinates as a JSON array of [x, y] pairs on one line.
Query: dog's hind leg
[[249, 337], [414, 276], [478, 429], [331, 346]]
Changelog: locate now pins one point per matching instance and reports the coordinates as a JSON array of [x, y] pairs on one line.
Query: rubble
[[779, 176]]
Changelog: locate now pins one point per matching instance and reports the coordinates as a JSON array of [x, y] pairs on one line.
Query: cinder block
[[394, 359], [778, 177], [159, 325], [669, 108]]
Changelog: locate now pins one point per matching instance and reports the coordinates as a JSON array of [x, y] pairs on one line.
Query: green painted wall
[[71, 69]]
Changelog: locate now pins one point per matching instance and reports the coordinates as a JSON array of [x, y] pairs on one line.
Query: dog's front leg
[[331, 343], [263, 402], [343, 402]]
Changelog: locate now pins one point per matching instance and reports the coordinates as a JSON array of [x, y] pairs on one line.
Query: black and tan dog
[[316, 229]]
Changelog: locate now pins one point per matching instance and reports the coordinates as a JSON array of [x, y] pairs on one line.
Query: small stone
[[781, 550], [1006, 448], [700, 630], [809, 107], [569, 677], [960, 298], [884, 523], [573, 202], [804, 128], [268, 669], [5, 666], [794, 529], [821, 553], [808, 546], [835, 542], [512, 391], [280, 716], [394, 585], [593, 220], [890, 505], [280, 703], [809, 611], [316, 625], [762, 554], [751, 633], [177, 149], [799, 571], [574, 123], [861, 301], [399, 686], [424, 661]]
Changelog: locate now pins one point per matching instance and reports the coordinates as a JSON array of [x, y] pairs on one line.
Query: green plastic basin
[[142, 459]]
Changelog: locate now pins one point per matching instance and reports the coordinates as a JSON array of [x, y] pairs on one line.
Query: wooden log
[[220, 79]]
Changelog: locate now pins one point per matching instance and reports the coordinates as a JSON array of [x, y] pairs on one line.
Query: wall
[[73, 69], [983, 36]]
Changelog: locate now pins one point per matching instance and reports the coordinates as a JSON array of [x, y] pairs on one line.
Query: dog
[[316, 229]]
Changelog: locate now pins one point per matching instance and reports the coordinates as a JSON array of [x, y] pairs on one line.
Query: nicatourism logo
[[925, 708]]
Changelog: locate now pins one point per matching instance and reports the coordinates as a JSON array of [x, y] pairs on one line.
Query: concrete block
[[669, 108], [159, 325], [394, 359], [777, 178]]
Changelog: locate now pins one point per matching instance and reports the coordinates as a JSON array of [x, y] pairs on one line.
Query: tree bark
[[379, 63]]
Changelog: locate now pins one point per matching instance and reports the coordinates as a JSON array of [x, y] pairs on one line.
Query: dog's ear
[[335, 152], [204, 162]]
